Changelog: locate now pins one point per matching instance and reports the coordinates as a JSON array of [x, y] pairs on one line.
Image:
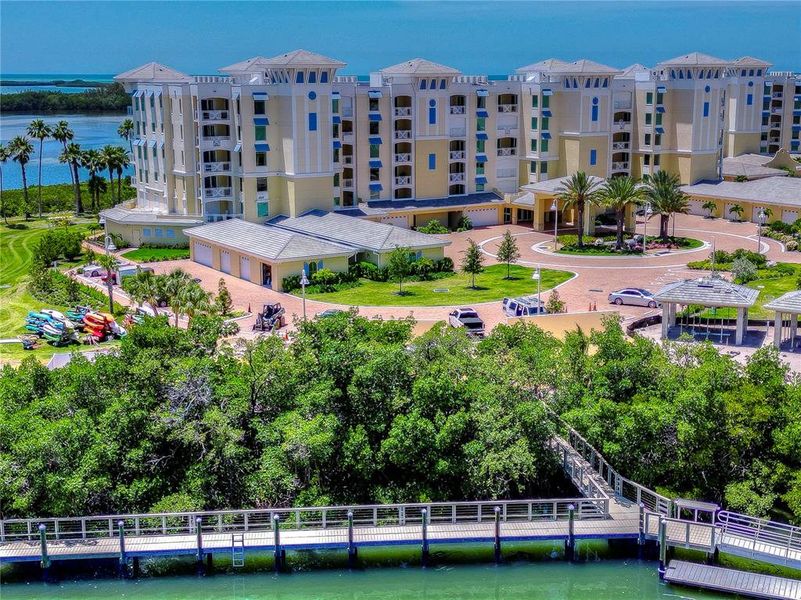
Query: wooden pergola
[[785, 326], [710, 292]]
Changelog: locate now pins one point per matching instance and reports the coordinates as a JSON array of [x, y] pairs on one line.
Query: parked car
[[523, 307], [469, 319], [633, 296], [93, 270]]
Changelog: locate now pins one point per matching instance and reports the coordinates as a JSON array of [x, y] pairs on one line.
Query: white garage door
[[244, 267], [790, 216], [696, 208], [482, 216], [225, 261], [203, 254], [396, 221]]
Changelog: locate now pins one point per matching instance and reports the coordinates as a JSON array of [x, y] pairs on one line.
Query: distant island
[[54, 82], [105, 98]]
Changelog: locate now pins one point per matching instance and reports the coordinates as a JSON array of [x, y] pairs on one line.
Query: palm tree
[[125, 131], [40, 130], [21, 150], [73, 156], [144, 287], [737, 210], [5, 154], [579, 191], [173, 284], [62, 133], [710, 207], [97, 187], [110, 263], [92, 160], [619, 193], [193, 299], [663, 193], [109, 154], [122, 163]]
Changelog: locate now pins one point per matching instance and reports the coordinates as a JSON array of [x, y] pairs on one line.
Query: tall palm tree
[[144, 287], [109, 155], [62, 133], [123, 162], [125, 131], [40, 130], [97, 187], [619, 193], [73, 156], [176, 281], [662, 191], [579, 192], [21, 150], [5, 154], [92, 160]]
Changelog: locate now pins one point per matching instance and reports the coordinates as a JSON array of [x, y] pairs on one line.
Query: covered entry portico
[[709, 292], [785, 325]]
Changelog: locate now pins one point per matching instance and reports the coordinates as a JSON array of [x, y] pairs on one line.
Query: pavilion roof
[[708, 291]]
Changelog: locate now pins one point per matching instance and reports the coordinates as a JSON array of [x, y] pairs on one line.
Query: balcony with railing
[[216, 167], [621, 145], [402, 134], [402, 106], [456, 155], [507, 146], [403, 111], [347, 183], [458, 105], [403, 180], [456, 177], [622, 120], [620, 166], [404, 158], [214, 109], [214, 115], [218, 192], [507, 103]]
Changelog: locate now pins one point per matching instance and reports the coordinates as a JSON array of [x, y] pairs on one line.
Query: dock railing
[[312, 518], [751, 536]]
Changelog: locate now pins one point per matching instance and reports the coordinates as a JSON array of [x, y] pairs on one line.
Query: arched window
[[432, 112]]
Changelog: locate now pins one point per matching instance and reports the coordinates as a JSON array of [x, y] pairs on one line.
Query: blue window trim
[[312, 121], [749, 99], [706, 109], [432, 162], [594, 113], [593, 157], [432, 115], [299, 77], [312, 76], [324, 77]]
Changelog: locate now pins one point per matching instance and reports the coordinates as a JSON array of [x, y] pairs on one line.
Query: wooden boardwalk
[[732, 581]]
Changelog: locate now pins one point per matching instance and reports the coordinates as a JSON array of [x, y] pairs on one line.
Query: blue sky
[[487, 37]]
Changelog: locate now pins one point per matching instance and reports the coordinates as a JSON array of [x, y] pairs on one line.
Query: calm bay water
[[91, 131], [605, 580]]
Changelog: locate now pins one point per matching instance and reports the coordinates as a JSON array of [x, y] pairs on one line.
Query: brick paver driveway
[[596, 276]]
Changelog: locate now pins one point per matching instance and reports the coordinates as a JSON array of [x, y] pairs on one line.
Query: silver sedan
[[634, 297]]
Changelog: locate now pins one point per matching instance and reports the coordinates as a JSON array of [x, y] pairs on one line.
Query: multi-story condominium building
[[279, 137]]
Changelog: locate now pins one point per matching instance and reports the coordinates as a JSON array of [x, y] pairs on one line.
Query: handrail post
[[351, 546], [199, 532], [123, 566], [497, 546], [662, 546], [641, 538], [278, 553], [424, 554], [570, 543], [45, 563]]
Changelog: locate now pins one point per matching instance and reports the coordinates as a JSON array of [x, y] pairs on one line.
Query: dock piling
[[45, 563], [278, 554], [424, 554], [352, 551], [570, 543], [497, 534], [199, 531], [662, 547], [123, 564]]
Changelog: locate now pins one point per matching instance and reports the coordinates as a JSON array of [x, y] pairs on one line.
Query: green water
[[557, 580]]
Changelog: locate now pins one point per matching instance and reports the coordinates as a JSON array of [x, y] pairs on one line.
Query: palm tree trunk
[[25, 194], [76, 187], [620, 217], [110, 288], [2, 201], [119, 186], [41, 145], [663, 226], [111, 183], [580, 212]]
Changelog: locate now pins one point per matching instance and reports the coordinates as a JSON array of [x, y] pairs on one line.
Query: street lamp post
[[761, 221], [537, 277], [647, 215], [304, 281], [555, 209]]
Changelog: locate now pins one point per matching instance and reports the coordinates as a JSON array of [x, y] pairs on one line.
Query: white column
[[666, 318], [673, 309], [777, 329], [793, 329], [742, 325]]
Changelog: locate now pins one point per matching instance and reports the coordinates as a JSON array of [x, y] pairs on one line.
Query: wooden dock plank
[[751, 585]]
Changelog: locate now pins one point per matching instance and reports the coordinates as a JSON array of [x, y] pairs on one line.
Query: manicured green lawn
[[16, 249], [456, 289], [156, 254], [591, 250]]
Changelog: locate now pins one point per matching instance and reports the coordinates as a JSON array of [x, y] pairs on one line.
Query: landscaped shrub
[[324, 279], [791, 246], [465, 224], [444, 264], [119, 241], [743, 270], [290, 283], [423, 268], [433, 226]]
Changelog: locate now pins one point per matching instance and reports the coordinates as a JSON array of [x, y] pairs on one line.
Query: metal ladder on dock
[[238, 550]]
